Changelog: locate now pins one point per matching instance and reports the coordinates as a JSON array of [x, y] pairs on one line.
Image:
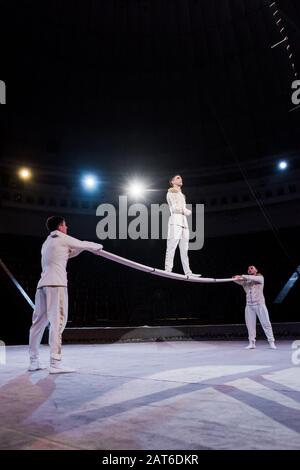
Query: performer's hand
[[237, 277]]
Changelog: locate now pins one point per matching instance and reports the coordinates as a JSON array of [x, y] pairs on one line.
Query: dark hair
[[258, 271], [52, 223], [171, 179]]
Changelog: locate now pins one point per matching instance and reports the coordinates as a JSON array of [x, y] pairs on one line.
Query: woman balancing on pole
[[253, 285], [178, 229]]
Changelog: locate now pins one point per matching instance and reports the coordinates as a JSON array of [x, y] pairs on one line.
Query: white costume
[[51, 299], [178, 230], [255, 306]]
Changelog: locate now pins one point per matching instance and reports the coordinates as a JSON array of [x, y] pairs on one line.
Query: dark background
[[147, 85], [151, 87]]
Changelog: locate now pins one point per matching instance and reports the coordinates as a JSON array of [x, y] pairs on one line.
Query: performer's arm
[[75, 252], [256, 279], [79, 246], [175, 206], [187, 211], [238, 279]]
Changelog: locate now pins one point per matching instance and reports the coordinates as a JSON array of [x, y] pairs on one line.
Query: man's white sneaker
[[35, 365], [251, 345], [272, 345], [60, 370], [194, 275]]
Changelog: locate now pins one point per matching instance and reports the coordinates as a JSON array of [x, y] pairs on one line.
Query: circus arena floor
[[154, 395]]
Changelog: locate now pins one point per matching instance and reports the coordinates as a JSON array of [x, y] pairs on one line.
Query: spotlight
[[90, 182], [136, 189], [24, 174], [282, 165]]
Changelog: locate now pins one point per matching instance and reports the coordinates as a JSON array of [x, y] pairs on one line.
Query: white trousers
[[181, 235], [51, 306], [260, 311]]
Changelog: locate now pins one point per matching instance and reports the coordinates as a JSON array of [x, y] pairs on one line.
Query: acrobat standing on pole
[[178, 229]]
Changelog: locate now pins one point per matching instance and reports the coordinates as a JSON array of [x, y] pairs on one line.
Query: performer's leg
[[263, 315], [39, 323], [250, 318], [184, 246], [57, 308], [57, 300], [174, 234]]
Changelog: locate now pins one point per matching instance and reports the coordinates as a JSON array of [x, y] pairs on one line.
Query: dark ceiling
[[146, 85]]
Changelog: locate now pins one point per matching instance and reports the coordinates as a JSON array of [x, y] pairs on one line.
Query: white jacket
[[254, 288], [56, 250], [177, 205]]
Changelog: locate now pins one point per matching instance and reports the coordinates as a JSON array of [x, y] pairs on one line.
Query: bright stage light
[[136, 189], [24, 173], [282, 165], [90, 182]]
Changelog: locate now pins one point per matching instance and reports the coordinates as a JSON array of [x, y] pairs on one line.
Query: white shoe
[[60, 370], [35, 365], [56, 367], [194, 275], [272, 345], [251, 345]]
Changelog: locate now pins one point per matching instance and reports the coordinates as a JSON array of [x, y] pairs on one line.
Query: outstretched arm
[[77, 246], [246, 278], [238, 279], [249, 278]]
